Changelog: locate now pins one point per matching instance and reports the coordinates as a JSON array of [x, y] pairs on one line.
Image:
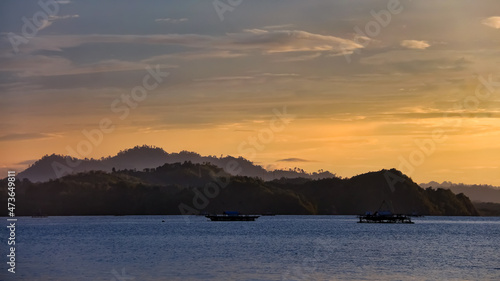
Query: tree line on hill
[[191, 188]]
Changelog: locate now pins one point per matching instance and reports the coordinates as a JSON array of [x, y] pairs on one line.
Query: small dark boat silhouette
[[385, 216], [231, 216]]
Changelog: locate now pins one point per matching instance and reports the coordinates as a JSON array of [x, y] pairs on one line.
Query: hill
[[191, 188], [142, 157], [488, 209], [476, 193]]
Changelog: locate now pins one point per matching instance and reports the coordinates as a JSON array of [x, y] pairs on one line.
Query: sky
[[345, 86]]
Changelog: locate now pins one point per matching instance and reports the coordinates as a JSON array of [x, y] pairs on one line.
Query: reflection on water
[[271, 248]]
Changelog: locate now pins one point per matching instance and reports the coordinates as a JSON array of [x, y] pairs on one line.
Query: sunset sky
[[361, 85]]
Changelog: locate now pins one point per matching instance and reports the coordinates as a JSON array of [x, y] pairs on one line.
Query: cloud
[[24, 136], [64, 17], [171, 20], [40, 65], [29, 63], [52, 19], [492, 22], [415, 44], [246, 78], [279, 74], [224, 78], [295, 58], [294, 160], [210, 54], [280, 26], [59, 42], [274, 41], [284, 41]]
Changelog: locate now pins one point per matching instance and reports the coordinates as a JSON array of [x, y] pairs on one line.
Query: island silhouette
[[147, 180]]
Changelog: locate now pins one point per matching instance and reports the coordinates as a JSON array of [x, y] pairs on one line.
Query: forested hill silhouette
[[476, 192], [188, 188], [143, 157]]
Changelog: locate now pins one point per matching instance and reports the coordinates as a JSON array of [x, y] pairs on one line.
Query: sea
[[120, 248]]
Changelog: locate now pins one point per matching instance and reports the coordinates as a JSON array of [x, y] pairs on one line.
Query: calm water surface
[[271, 248]]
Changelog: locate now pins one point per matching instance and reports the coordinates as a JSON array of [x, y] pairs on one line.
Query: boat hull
[[232, 218], [385, 219]]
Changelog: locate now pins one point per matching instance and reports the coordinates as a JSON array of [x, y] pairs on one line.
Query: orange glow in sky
[[344, 86]]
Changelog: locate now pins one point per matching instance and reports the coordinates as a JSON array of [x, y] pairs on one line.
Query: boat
[[384, 216], [231, 216]]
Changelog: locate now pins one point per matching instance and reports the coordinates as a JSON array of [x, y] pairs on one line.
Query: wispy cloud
[[280, 26], [279, 74], [283, 41], [279, 43], [224, 78], [415, 44], [171, 20], [40, 65], [295, 58], [294, 160], [24, 136], [274, 41], [52, 19], [59, 42], [492, 22], [210, 54], [247, 77]]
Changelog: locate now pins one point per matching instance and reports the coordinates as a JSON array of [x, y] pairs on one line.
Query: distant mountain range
[[147, 157], [476, 193]]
